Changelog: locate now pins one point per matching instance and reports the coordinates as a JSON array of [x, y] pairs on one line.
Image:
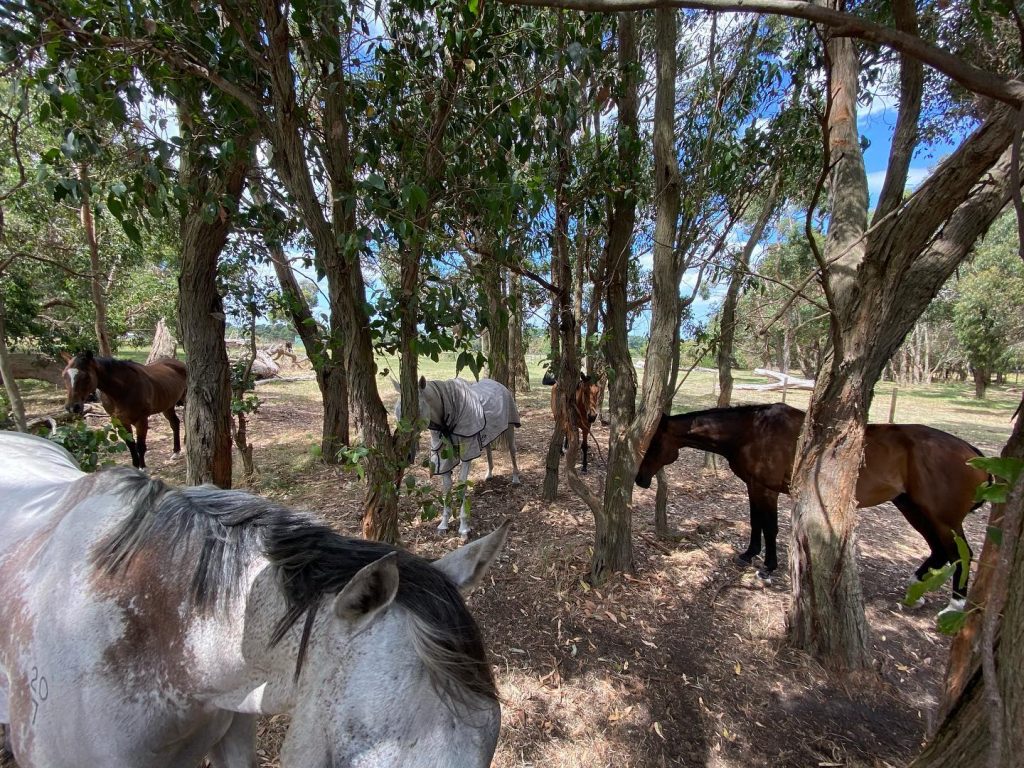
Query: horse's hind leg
[[175, 422], [961, 572], [584, 433], [512, 453], [464, 507], [490, 464], [940, 542]]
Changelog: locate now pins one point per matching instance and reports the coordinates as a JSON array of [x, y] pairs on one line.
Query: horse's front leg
[[175, 422], [464, 508], [237, 747], [446, 508], [129, 440], [141, 431], [585, 434]]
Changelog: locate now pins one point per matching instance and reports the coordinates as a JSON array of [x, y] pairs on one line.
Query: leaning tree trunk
[[968, 736], [99, 301], [327, 361], [201, 318]]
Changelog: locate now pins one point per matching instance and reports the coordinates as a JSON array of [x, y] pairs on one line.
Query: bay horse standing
[[146, 626], [587, 405], [923, 471], [130, 392]]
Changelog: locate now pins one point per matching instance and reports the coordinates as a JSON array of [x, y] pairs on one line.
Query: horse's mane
[[224, 530], [726, 410]]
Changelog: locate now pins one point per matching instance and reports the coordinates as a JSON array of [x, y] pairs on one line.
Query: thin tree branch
[[974, 79]]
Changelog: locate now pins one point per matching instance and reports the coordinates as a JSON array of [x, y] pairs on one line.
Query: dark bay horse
[[129, 392], [921, 470], [583, 415]]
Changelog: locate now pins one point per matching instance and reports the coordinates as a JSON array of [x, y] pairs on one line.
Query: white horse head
[[213, 607]]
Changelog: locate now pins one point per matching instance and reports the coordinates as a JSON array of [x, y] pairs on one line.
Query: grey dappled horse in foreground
[[147, 627], [464, 419]]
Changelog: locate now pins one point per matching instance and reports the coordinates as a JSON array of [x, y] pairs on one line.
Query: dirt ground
[[681, 663]]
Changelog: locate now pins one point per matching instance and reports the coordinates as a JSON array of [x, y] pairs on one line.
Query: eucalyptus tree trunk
[[7, 373], [975, 728], [201, 319], [566, 336], [326, 356], [519, 372], [99, 301], [499, 319], [877, 284]]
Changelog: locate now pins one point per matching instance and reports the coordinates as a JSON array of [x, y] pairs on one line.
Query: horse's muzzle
[[75, 408], [643, 482], [591, 417]]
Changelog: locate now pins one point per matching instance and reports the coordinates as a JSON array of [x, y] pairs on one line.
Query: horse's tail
[[988, 483]]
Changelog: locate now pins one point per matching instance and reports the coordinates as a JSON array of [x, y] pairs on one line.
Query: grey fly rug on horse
[[464, 419], [147, 627]]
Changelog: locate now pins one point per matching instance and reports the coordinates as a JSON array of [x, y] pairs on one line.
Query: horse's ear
[[66, 357], [369, 592], [87, 356], [423, 382], [468, 565]]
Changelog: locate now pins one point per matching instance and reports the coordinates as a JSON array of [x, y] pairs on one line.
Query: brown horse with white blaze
[[923, 471], [129, 392], [583, 415]]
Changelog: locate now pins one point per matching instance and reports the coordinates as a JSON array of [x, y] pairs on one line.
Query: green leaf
[[931, 582], [964, 551], [375, 181], [417, 197], [1007, 468], [474, 7], [951, 622], [131, 231], [994, 534]]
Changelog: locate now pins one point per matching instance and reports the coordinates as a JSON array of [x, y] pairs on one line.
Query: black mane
[[726, 410], [216, 533]]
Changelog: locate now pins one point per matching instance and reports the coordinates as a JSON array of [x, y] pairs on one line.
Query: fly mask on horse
[[464, 419], [147, 627]]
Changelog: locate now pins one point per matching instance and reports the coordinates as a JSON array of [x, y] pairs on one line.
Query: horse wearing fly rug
[[130, 393], [464, 419], [148, 627], [921, 470]]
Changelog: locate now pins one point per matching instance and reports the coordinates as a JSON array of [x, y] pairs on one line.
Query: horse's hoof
[[956, 605], [916, 604], [464, 535], [765, 577], [442, 529], [176, 456], [516, 480], [743, 559]]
